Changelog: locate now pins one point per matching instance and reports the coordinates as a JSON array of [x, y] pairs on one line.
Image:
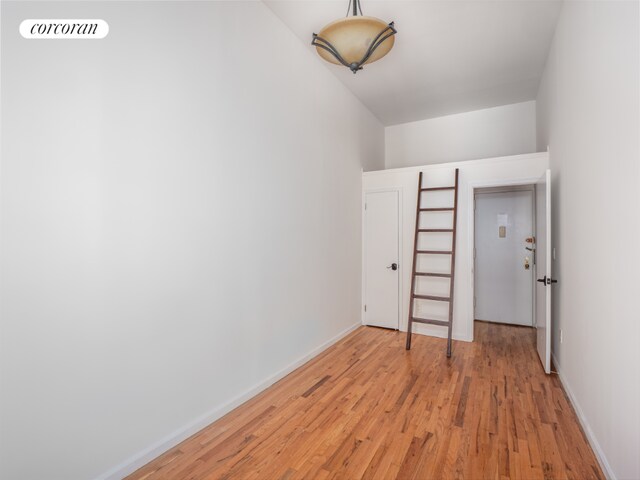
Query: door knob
[[547, 281], [393, 266]]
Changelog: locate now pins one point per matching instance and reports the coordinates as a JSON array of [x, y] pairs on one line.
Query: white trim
[[506, 189], [362, 206], [591, 438], [143, 457], [362, 259], [453, 165], [399, 190], [433, 331], [471, 187], [400, 256]]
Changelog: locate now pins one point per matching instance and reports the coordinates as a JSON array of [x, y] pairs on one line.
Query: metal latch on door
[[547, 281]]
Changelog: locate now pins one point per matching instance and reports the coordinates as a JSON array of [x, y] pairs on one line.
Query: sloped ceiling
[[449, 57]]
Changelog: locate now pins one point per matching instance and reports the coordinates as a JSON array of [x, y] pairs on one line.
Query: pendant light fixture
[[354, 40]]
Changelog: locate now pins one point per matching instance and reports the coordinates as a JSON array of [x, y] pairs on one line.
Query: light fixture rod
[[377, 42], [356, 7], [320, 42]]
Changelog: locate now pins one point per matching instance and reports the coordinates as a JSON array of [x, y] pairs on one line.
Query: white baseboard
[[595, 446], [439, 332], [143, 457]]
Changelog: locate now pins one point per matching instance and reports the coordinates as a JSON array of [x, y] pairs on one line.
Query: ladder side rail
[[413, 267], [453, 264]]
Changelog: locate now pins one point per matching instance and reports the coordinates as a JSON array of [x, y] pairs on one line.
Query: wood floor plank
[[367, 408]]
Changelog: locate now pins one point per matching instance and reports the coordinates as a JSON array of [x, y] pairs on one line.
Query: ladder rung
[[436, 209], [435, 229], [429, 321], [431, 297], [434, 252], [430, 189], [429, 274]]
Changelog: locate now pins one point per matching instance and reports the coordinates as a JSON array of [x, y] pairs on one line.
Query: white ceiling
[[450, 56]]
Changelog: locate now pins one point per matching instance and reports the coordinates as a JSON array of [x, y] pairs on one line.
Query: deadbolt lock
[[526, 263]]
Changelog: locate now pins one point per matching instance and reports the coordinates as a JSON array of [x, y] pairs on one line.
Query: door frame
[[471, 237], [531, 188], [400, 192], [548, 271]]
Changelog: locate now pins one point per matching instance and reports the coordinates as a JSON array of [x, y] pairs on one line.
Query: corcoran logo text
[[64, 29]]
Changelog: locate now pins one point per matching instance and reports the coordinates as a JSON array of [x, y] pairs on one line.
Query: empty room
[[319, 239]]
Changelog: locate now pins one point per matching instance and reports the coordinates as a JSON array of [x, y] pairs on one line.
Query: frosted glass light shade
[[352, 38]]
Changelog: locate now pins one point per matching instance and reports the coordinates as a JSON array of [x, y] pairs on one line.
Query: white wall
[[473, 174], [170, 197], [588, 115], [492, 132]]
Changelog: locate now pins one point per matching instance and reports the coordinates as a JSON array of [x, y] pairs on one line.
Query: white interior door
[[543, 269], [381, 270], [503, 265]]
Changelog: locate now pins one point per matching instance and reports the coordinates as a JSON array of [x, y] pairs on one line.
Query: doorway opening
[[504, 255], [513, 293]]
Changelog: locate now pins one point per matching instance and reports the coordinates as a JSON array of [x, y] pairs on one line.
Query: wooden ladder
[[417, 251]]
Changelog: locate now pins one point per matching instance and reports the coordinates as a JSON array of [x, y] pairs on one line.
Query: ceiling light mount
[[354, 40]]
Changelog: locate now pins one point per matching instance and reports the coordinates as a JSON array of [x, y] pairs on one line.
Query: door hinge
[[365, 206], [474, 253], [474, 302], [365, 308]]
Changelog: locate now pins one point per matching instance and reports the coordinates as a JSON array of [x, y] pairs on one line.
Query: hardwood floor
[[366, 408]]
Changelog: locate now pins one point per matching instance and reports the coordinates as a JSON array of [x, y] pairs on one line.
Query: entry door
[[381, 269], [503, 265], [543, 269]]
